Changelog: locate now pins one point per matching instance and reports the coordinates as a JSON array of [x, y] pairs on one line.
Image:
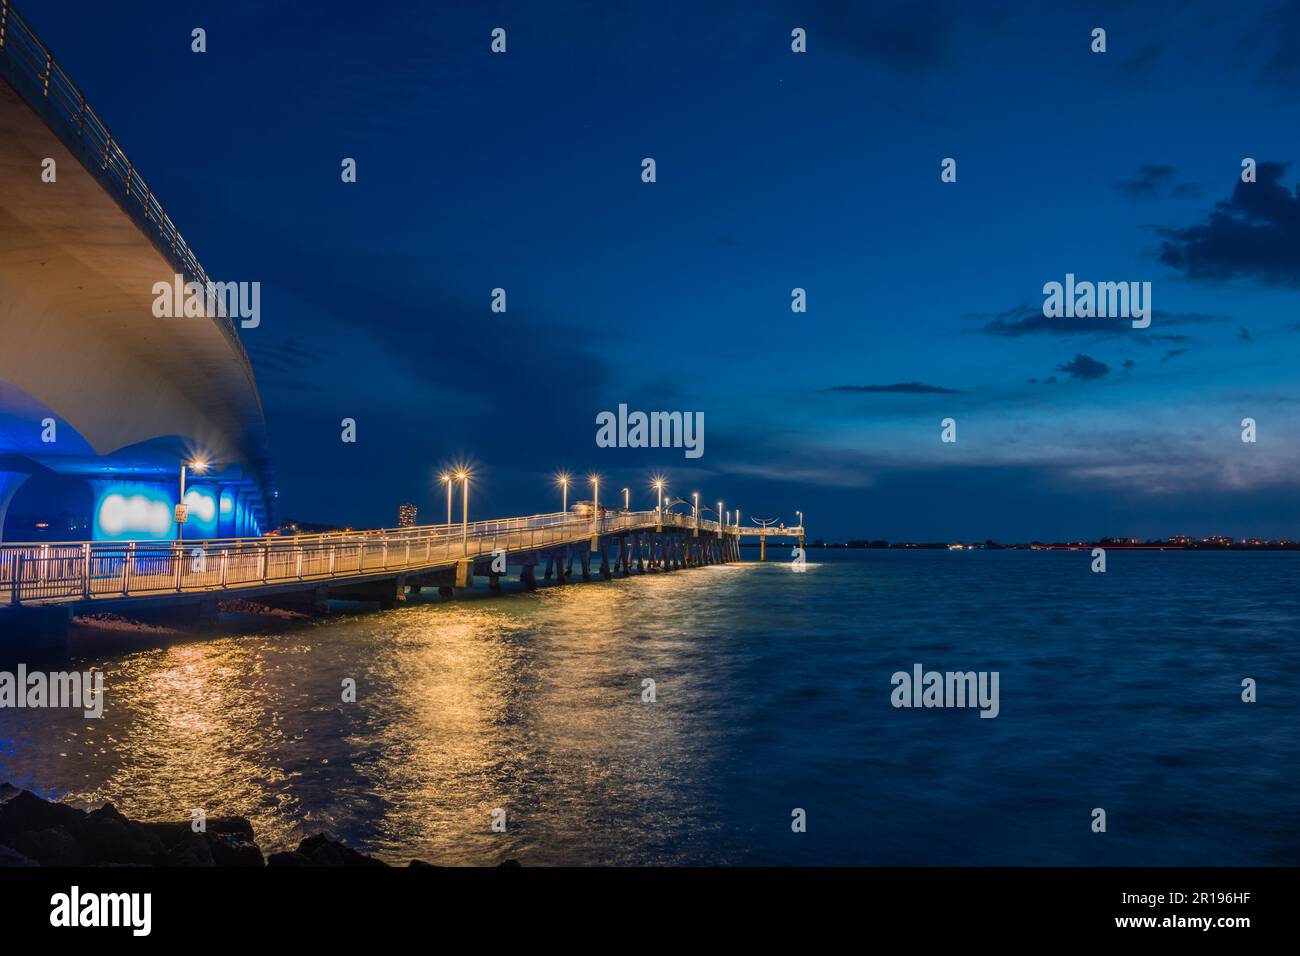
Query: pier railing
[[84, 571]]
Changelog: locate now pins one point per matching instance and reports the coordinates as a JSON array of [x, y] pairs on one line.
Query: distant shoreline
[[1108, 544]]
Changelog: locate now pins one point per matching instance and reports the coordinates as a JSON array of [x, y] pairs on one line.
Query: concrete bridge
[[100, 400], [43, 585]]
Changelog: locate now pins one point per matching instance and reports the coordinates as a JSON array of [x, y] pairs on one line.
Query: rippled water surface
[[1118, 690]]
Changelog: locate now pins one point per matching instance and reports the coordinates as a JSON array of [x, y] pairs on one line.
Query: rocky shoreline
[[37, 832]]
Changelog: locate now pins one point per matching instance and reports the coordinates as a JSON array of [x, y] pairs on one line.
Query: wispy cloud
[[1028, 319], [905, 388], [1084, 368]]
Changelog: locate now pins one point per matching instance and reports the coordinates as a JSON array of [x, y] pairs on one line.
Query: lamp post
[[627, 500], [800, 514], [595, 500], [199, 465], [719, 517], [659, 487], [695, 496], [564, 493], [447, 480], [464, 503]]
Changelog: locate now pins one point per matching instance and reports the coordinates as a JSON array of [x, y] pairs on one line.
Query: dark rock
[[510, 864], [293, 858], [421, 865], [11, 858], [105, 836], [24, 812], [173, 834], [232, 825], [191, 851], [322, 851], [233, 849], [54, 846]]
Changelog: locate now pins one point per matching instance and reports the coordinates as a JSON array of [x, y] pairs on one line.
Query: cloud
[[1153, 182], [911, 38], [1172, 354], [1084, 368], [1243, 334], [1028, 319], [1150, 181], [1255, 234], [908, 388]]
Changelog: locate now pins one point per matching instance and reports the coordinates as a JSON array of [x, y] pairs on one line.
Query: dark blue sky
[[775, 170]]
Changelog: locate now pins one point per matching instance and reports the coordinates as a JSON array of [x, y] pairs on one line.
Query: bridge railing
[[89, 570]]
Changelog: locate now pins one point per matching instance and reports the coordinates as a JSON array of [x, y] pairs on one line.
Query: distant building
[[406, 516]]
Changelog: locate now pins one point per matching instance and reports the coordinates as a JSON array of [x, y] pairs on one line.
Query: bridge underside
[[92, 384]]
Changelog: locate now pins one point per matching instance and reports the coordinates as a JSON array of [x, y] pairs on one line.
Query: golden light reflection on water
[[530, 703]]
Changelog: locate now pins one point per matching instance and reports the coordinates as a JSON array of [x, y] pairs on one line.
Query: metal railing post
[[127, 557], [85, 570], [225, 566], [15, 590]]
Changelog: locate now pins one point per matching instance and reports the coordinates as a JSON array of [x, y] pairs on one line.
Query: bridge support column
[[464, 574], [604, 561], [585, 557], [550, 567], [494, 582], [9, 482], [527, 578], [397, 596], [762, 547], [640, 555]]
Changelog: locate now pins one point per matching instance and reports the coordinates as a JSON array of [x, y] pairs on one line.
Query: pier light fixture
[[719, 516], [562, 479], [446, 479], [463, 477], [199, 465], [695, 497], [658, 485], [627, 500], [800, 514], [595, 496]]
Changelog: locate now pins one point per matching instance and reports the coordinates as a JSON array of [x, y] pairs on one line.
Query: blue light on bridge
[[133, 511], [140, 511], [202, 519]]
